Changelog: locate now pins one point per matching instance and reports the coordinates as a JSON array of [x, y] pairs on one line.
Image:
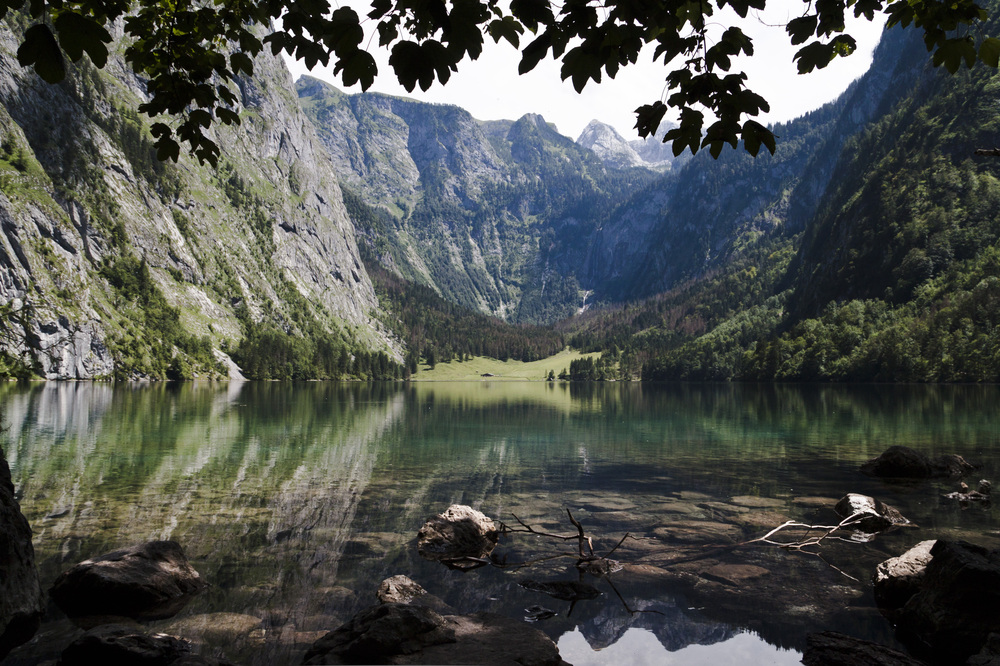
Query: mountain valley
[[867, 239]]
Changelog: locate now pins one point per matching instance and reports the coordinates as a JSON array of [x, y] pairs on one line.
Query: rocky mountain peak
[[616, 151], [613, 149]]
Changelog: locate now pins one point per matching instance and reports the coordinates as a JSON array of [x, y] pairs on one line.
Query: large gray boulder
[[149, 581], [20, 592], [460, 532], [407, 634], [899, 578], [954, 605], [902, 462]]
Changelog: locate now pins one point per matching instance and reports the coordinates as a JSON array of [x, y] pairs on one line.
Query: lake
[[295, 500]]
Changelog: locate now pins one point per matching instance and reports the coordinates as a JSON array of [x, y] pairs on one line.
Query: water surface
[[295, 500]]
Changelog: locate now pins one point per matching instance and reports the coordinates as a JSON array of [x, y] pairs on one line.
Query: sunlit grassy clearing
[[474, 369]]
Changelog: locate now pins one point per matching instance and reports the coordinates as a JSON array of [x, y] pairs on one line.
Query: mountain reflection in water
[[295, 500]]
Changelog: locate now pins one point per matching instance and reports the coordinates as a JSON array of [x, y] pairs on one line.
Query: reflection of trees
[[259, 485], [286, 495]]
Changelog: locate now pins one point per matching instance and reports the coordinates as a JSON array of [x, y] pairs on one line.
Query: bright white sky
[[490, 88]]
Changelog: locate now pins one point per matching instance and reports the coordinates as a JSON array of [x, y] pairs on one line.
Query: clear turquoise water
[[295, 500]]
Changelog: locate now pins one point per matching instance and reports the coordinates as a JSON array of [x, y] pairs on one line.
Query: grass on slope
[[474, 369]]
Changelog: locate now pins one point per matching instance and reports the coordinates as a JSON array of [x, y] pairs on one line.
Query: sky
[[491, 89]]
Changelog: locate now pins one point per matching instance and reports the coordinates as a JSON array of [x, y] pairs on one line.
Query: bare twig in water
[[504, 529], [582, 536], [803, 544], [851, 520]]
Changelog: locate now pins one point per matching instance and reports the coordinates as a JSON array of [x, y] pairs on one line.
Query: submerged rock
[[460, 532], [567, 590], [954, 605], [399, 590], [828, 648], [20, 591], [405, 634], [114, 644], [150, 581], [874, 515], [965, 496], [902, 462]]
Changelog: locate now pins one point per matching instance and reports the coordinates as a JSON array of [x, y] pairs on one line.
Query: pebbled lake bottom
[[295, 500]]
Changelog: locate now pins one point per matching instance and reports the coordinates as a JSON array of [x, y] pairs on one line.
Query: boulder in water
[[955, 602], [872, 514], [460, 532], [902, 462], [150, 581]]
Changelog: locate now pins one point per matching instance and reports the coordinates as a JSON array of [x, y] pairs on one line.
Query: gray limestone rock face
[[218, 243], [150, 581], [609, 145], [21, 601]]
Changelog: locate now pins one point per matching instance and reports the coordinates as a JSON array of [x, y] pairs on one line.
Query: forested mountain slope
[[496, 216], [695, 223], [889, 269], [115, 264]]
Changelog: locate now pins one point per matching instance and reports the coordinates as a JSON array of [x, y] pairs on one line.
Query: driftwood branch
[[803, 544], [851, 520], [988, 152]]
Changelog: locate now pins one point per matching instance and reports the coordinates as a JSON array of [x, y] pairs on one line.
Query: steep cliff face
[[493, 215], [86, 211], [691, 223]]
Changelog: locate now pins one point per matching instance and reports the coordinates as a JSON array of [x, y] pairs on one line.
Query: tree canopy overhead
[[190, 51]]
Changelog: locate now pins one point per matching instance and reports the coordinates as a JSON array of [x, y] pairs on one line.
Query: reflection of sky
[[640, 647]]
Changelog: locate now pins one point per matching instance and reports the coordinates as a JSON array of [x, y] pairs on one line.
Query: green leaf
[[815, 55], [358, 67], [648, 118], [952, 52], [41, 50], [79, 34], [241, 62], [506, 28], [755, 134], [532, 13], [989, 51], [802, 28], [227, 116], [379, 8], [534, 52]]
